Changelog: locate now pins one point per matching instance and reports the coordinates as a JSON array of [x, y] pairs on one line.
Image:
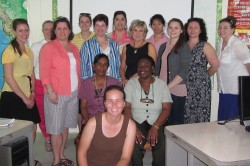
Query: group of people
[[121, 87]]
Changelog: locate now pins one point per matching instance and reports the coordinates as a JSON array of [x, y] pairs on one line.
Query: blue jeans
[[177, 112]]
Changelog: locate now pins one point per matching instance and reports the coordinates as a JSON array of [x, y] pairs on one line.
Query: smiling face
[[174, 29], [22, 33], [84, 23], [157, 26], [120, 22], [114, 102], [100, 28], [193, 29], [225, 31], [138, 33], [144, 68], [62, 31], [47, 30]]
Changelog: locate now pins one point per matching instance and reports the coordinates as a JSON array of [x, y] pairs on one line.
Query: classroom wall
[[41, 10]]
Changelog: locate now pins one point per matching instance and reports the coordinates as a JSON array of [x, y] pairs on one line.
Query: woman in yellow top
[[85, 23], [17, 98]]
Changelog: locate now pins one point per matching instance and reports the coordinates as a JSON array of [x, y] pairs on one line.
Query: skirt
[[12, 106]]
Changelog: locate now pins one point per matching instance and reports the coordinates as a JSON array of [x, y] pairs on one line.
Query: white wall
[[41, 10], [135, 9]]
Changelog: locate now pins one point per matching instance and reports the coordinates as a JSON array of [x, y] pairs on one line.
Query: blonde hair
[[138, 23]]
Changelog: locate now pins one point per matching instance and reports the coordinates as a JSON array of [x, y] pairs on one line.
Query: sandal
[[66, 162], [37, 163], [58, 164]]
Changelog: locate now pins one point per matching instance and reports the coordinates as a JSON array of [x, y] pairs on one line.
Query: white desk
[[19, 128], [207, 144]]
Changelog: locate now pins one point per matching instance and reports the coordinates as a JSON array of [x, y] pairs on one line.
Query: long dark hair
[[14, 42], [201, 22], [181, 39]]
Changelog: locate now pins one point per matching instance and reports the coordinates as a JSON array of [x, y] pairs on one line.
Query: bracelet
[[156, 126], [50, 92]]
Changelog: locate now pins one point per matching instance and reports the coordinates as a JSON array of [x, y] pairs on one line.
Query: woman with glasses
[[85, 23], [120, 33], [148, 103], [92, 89], [132, 52], [234, 60], [60, 76], [108, 138]]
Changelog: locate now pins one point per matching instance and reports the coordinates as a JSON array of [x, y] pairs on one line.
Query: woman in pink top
[[120, 33], [157, 23], [60, 76]]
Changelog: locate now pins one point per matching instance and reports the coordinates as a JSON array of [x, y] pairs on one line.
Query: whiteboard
[[135, 9]]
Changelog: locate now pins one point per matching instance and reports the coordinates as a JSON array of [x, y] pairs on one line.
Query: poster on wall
[[240, 9]]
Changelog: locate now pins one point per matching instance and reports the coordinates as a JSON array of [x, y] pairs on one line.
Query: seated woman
[[148, 103], [92, 89], [105, 130]]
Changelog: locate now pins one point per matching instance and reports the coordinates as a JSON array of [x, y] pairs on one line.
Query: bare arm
[[128, 145], [212, 59], [8, 75], [162, 118], [84, 111], [177, 79], [33, 81], [123, 66], [127, 110], [152, 51], [85, 140]]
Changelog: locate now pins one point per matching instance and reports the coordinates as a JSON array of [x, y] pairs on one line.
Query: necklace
[[136, 48], [98, 92]]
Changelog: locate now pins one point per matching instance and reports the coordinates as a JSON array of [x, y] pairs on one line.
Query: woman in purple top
[[92, 89]]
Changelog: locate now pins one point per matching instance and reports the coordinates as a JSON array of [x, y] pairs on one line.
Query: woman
[[157, 23], [234, 62], [132, 52], [198, 101], [19, 84], [60, 76], [100, 43], [148, 103], [92, 89], [36, 47], [120, 34], [85, 23], [172, 66], [105, 130]]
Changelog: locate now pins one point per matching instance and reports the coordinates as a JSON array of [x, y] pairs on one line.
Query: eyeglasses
[[147, 100], [85, 14]]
